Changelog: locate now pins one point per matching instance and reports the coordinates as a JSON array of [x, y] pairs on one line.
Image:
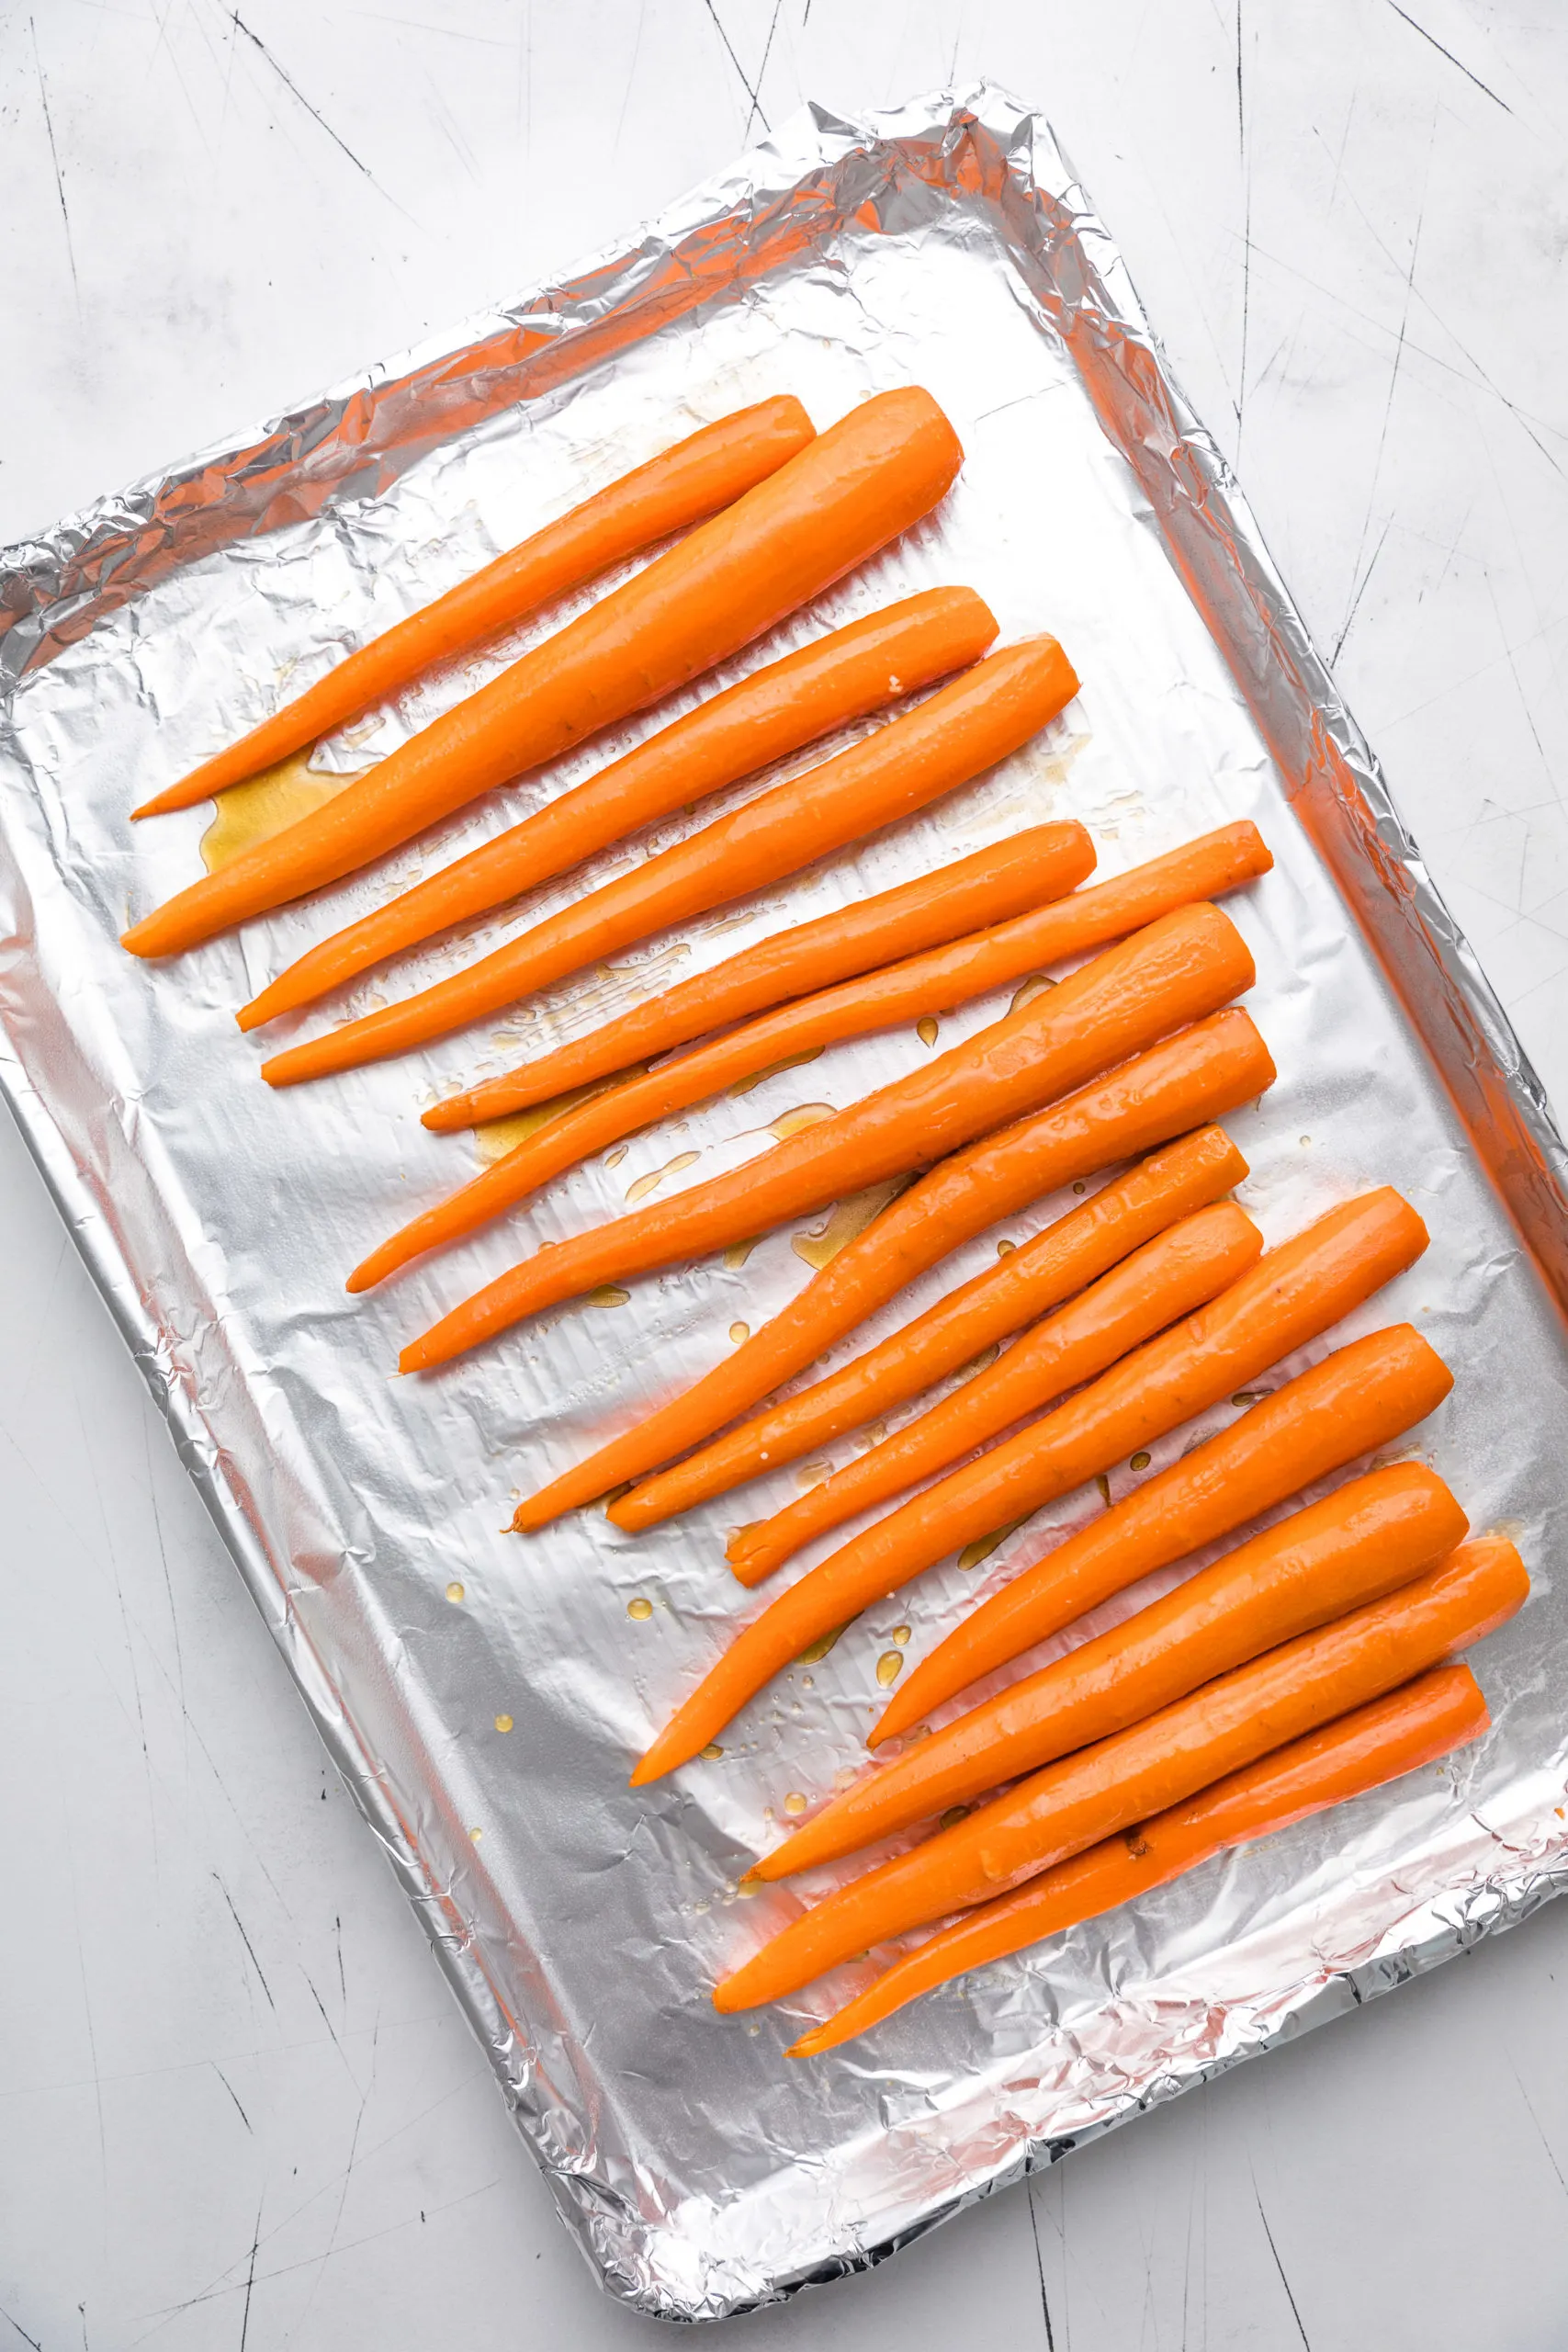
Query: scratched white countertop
[[237, 2105]]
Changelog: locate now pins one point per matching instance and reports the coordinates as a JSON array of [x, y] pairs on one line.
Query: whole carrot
[[1179, 968], [1215, 1731], [696, 478], [1358, 1752], [1046, 860], [1295, 1293], [846, 494], [777, 710], [965, 728], [1066, 1256], [1178, 1271], [1362, 1396], [1199, 1075], [1360, 1542], [835, 947]]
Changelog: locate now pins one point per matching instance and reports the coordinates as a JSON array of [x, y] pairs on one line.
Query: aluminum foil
[[580, 1924]]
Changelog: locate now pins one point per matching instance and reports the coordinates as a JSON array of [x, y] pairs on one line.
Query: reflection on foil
[[484, 1695]]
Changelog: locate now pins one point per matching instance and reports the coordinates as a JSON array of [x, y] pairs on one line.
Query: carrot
[[1215, 1731], [1199, 1075], [962, 728], [1179, 1271], [1295, 1293], [1179, 968], [696, 478], [777, 710], [837, 946], [1362, 1396], [945, 977], [1088, 1242], [1047, 859], [1363, 1541], [841, 498], [1363, 1750]]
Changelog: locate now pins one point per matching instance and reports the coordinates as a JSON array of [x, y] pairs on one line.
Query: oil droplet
[[982, 1363], [735, 1257], [926, 1029], [253, 812], [1080, 1186], [847, 1223], [614, 1158], [496, 1138], [1027, 990], [807, 1683], [712, 1751], [476, 1834], [454, 1592], [609, 1294], [794, 1804], [640, 1187], [504, 1722], [1245, 1396], [984, 1545], [812, 1474], [791, 1061], [1306, 1138], [823, 1644], [1006, 1248], [1103, 1483], [738, 1332], [952, 1817], [795, 1121], [1139, 1462], [899, 1635], [640, 1607], [889, 1667]]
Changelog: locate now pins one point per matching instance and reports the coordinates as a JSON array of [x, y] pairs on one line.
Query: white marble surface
[[237, 2106]]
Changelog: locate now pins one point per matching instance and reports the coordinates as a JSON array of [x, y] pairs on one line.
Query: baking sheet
[[581, 1925]]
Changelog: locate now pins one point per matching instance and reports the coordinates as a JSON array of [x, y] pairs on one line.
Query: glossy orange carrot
[[1366, 1539], [1215, 1731], [1209, 1069], [797, 963], [1363, 1750], [777, 710], [962, 728], [1294, 1294], [706, 471], [1045, 861], [1180, 967], [1178, 1271], [843, 496], [1086, 1243], [1181, 1269], [1362, 1396]]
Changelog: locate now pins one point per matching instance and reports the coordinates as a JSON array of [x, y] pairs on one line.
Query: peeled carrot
[[1362, 1396], [947, 975], [1295, 1293], [774, 711], [696, 478], [843, 496], [797, 963], [1179, 968], [1088, 1242], [1044, 862], [1170, 1276], [962, 728], [1365, 1540], [1215, 1731], [1199, 1075], [1358, 1752]]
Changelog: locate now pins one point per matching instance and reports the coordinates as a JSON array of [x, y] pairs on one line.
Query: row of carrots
[[1304, 1666]]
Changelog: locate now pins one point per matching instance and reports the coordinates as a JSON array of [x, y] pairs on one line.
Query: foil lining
[[482, 1695]]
